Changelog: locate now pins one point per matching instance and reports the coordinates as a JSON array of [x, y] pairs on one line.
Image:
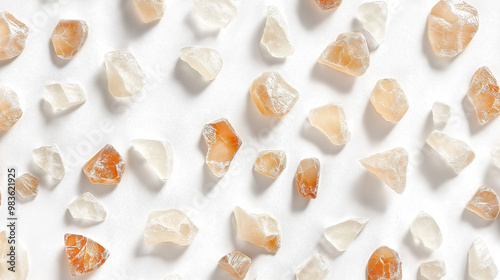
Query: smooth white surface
[[176, 104]]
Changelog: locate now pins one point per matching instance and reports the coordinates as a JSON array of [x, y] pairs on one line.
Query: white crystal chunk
[[206, 61], [49, 159], [343, 234], [276, 36], [22, 264], [455, 152], [481, 264], [433, 270], [390, 166], [259, 229], [169, 226], [315, 268], [159, 154], [441, 113], [64, 96], [218, 13], [426, 231], [125, 76], [86, 207], [373, 15]]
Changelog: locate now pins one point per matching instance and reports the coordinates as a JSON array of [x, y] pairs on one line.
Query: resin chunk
[[48, 158], [206, 61], [433, 270], [328, 4], [218, 13], [10, 109], [14, 34], [125, 76], [27, 185], [426, 231], [455, 152], [270, 163], [84, 255], [236, 263], [348, 54], [150, 10], [170, 225], [159, 154], [390, 166], [374, 18], [86, 207], [222, 143], [276, 37], [315, 268], [384, 264], [22, 264], [485, 203], [451, 26], [259, 229], [343, 234], [481, 264], [307, 177], [495, 156], [484, 94], [68, 37], [64, 96], [441, 113], [106, 167], [331, 120], [389, 100], [272, 95]]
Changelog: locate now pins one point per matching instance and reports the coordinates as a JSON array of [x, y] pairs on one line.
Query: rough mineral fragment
[[307, 177], [150, 10], [272, 95], [259, 229], [86, 207], [328, 4], [10, 110], [348, 54], [159, 154], [441, 113], [451, 26], [495, 156], [218, 13], [433, 270], [426, 231], [68, 37], [64, 96], [455, 152], [173, 277], [276, 37], [21, 260], [170, 225], [236, 263], [106, 167], [125, 76], [485, 203], [206, 61], [390, 166], [222, 143], [315, 268], [84, 255], [384, 264], [484, 94], [270, 163], [48, 158], [389, 100], [331, 120], [27, 185], [374, 18], [14, 34], [481, 264], [343, 234]]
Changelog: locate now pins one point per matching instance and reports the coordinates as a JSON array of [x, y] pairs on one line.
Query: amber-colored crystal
[[27, 185], [270, 163], [106, 167], [328, 4], [272, 95], [484, 94], [150, 10], [84, 254], [348, 54], [307, 177], [389, 100], [13, 35], [68, 37], [236, 263], [485, 203], [384, 264], [331, 120]]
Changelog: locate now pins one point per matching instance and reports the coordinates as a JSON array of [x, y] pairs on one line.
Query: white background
[[177, 103]]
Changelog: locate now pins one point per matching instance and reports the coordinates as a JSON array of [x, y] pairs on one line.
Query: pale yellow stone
[[13, 35], [389, 100], [270, 163], [125, 76], [236, 263], [206, 61], [484, 94], [27, 185], [276, 37], [272, 95], [150, 10], [455, 152], [390, 166], [259, 229], [485, 203], [316, 268], [331, 120], [170, 225], [10, 109]]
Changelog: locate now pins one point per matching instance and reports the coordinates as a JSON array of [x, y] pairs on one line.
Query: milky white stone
[[433, 270], [441, 113], [22, 264], [159, 154], [331, 120], [426, 231], [208, 62], [49, 159], [169, 226], [481, 265], [455, 152], [218, 13], [125, 76], [390, 166], [341, 235], [64, 96], [495, 156], [259, 229], [272, 95], [315, 268], [276, 37], [10, 109], [86, 207], [374, 18], [173, 277]]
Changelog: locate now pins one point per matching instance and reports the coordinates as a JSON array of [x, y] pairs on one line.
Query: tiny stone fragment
[[441, 113], [10, 109], [150, 10], [68, 37], [495, 156], [21, 260], [485, 203], [27, 185], [64, 96], [106, 167], [315, 268], [272, 95], [259, 229], [270, 163], [348, 54], [206, 61], [14, 34], [328, 4], [159, 154], [433, 270], [455, 152], [169, 226], [307, 177], [48, 158], [218, 13], [384, 264], [343, 234], [426, 231], [373, 15], [276, 37], [84, 255], [236, 263], [125, 76], [481, 264], [331, 120], [389, 100], [484, 94], [86, 207], [390, 166]]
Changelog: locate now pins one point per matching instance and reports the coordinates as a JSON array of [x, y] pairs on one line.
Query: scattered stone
[[150, 10], [384, 264], [84, 255], [307, 177], [125, 76], [484, 94], [481, 264], [159, 154], [259, 229], [206, 61], [64, 96], [10, 109], [315, 268], [169, 226], [485, 203], [389, 100], [276, 37], [348, 54], [49, 159], [455, 152], [27, 185], [22, 264], [331, 120], [373, 15], [218, 13], [495, 156], [433, 270], [14, 34], [390, 166], [441, 113], [86, 207], [236, 263], [343, 234], [68, 37], [426, 231], [270, 163], [272, 95], [328, 4], [106, 167]]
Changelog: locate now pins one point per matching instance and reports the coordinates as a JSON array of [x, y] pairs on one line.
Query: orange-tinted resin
[[84, 254], [106, 167]]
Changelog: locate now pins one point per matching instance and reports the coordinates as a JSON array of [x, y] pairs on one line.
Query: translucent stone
[[22, 264], [328, 4], [10, 109], [218, 13], [173, 277], [14, 34], [485, 203], [169, 226], [426, 231], [150, 10], [270, 163], [390, 166], [106, 167], [441, 113], [348, 54], [384, 264], [259, 229], [495, 156], [315, 268], [330, 119], [206, 61], [68, 37], [159, 154], [455, 152], [343, 234], [86, 207], [276, 37], [64, 96], [125, 76], [222, 143], [433, 270], [27, 185], [484, 94], [48, 158], [307, 177], [374, 18], [481, 264], [236, 263], [389, 100], [84, 255], [272, 95], [451, 26]]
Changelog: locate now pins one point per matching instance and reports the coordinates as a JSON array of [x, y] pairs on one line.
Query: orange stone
[[13, 35], [307, 177], [485, 203], [106, 167], [150, 10], [236, 263], [384, 264], [68, 37], [484, 94], [27, 185], [270, 163], [328, 4], [348, 54], [84, 254], [389, 100]]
